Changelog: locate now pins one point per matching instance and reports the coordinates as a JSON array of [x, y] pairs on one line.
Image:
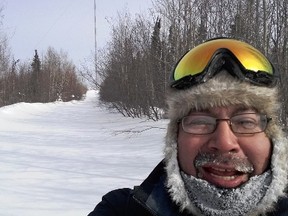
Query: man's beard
[[215, 201]]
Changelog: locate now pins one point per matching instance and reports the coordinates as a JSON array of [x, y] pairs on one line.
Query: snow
[[60, 158]]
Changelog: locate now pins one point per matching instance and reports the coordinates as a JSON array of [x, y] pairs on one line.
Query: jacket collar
[[153, 195]]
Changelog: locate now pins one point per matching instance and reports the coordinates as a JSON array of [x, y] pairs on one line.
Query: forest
[[135, 67], [47, 79]]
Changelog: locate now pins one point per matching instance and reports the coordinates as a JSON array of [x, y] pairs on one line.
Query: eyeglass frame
[[230, 123]]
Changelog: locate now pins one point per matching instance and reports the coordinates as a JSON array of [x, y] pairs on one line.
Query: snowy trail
[[60, 158]]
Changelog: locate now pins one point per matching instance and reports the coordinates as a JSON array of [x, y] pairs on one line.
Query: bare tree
[[60, 80], [142, 53]]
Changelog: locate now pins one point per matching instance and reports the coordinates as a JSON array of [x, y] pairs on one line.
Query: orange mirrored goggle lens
[[196, 60]]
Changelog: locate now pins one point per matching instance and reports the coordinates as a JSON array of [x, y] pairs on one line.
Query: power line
[[63, 12]]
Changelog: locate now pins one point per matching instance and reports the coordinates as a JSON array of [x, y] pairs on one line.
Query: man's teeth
[[222, 170], [221, 173], [223, 177]]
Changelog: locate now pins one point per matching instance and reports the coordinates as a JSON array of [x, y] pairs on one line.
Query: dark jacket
[[151, 198]]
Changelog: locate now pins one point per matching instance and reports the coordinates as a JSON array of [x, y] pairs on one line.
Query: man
[[225, 151]]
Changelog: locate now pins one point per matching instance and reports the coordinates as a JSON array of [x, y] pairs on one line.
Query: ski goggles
[[239, 59]]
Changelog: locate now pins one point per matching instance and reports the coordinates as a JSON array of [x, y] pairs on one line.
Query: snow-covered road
[[60, 158]]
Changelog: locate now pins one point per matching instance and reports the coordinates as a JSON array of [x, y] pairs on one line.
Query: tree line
[[136, 66], [47, 79]]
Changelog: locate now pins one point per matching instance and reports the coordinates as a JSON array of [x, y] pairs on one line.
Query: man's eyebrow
[[201, 110], [243, 109], [237, 110]]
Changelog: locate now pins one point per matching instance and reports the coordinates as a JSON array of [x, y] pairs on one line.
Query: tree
[[60, 80], [29, 82], [141, 56], [35, 81]]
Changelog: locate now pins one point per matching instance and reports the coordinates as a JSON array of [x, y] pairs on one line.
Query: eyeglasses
[[247, 123], [239, 58]]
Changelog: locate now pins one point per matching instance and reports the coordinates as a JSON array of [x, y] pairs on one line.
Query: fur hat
[[225, 90]]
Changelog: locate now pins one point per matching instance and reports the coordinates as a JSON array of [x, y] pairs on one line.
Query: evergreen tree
[[35, 79]]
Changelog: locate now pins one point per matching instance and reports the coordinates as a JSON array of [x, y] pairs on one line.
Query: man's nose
[[223, 139]]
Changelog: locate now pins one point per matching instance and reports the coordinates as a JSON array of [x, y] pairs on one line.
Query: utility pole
[[95, 43]]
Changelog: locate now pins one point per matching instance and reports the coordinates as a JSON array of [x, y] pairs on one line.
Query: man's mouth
[[223, 170], [222, 176]]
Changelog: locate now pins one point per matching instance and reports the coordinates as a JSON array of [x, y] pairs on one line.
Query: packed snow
[[60, 158]]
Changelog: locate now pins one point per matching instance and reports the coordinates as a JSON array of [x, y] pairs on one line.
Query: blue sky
[[62, 24]]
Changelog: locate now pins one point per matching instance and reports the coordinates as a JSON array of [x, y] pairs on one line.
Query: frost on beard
[[214, 201]]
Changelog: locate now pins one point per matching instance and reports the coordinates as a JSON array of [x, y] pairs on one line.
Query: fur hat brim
[[222, 91]]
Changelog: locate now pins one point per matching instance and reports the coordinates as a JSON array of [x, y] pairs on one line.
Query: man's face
[[250, 149]]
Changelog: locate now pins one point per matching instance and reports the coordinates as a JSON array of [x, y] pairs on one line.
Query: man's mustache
[[238, 163]]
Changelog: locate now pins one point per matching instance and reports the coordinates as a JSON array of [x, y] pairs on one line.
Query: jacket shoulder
[[131, 202], [281, 208], [114, 203]]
